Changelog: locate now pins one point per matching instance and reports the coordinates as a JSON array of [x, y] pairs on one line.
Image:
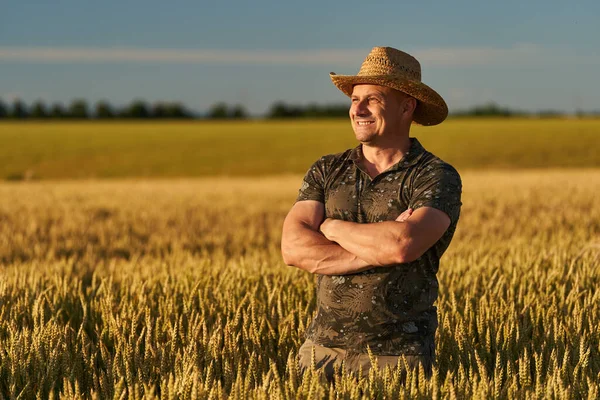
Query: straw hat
[[386, 66]]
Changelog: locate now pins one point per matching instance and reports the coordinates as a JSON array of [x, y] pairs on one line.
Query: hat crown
[[389, 67], [390, 61]]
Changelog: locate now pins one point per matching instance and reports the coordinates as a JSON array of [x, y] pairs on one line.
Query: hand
[[327, 226], [404, 216]]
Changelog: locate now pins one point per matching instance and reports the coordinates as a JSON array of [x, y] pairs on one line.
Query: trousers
[[328, 358]]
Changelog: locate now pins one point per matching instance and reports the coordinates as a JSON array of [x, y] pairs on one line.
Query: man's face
[[376, 111]]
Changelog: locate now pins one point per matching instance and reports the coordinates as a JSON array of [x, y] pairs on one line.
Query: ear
[[409, 105]]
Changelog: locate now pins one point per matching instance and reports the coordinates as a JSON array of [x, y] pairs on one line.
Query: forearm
[[309, 250], [379, 244]]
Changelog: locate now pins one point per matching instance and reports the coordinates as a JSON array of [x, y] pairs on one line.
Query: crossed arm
[[335, 247]]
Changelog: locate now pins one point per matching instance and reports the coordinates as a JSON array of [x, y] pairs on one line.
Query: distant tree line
[[489, 110], [494, 110], [283, 110], [140, 109], [80, 109]]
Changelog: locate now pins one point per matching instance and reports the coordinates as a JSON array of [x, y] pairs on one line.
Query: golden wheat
[[176, 289]]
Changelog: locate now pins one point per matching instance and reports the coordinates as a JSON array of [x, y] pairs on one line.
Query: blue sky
[[524, 54]]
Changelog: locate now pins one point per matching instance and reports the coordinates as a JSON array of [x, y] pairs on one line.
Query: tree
[[169, 110], [39, 110], [103, 110], [138, 109], [57, 111], [218, 111], [549, 113], [281, 110], [336, 111], [19, 110], [238, 112], [177, 110], [312, 111], [79, 109], [159, 110], [3, 110], [278, 110]]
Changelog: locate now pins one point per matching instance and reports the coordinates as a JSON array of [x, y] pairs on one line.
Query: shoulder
[[320, 173], [328, 162], [431, 166], [437, 184], [332, 158]]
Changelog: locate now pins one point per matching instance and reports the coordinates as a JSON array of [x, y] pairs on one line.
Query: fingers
[[405, 215], [325, 226]]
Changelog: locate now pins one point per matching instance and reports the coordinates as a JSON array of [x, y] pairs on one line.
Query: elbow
[[404, 258], [289, 253], [405, 253], [293, 258]]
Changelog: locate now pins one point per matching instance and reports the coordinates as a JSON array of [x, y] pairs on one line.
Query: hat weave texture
[[386, 66]]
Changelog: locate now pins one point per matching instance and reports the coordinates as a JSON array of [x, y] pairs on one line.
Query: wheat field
[[176, 289], [83, 150]]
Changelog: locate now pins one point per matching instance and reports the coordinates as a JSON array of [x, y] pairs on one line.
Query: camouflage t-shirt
[[389, 308]]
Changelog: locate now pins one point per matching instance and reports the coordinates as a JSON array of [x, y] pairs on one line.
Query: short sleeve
[[439, 186], [313, 184]]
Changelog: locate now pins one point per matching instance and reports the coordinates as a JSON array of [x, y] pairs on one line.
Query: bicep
[[425, 227], [301, 231], [309, 213]]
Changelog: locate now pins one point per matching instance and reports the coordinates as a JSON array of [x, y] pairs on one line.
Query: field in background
[[181, 149], [176, 288], [126, 288]]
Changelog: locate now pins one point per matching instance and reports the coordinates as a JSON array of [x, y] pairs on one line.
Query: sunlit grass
[[176, 289]]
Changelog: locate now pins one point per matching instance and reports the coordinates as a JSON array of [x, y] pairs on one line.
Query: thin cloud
[[515, 56], [521, 54], [178, 56]]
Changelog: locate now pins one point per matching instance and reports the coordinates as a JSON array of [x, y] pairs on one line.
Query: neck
[[378, 158]]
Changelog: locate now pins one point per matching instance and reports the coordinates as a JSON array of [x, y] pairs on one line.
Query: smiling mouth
[[364, 123]]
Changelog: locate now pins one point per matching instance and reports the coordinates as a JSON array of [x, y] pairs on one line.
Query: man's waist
[[384, 345], [400, 337]]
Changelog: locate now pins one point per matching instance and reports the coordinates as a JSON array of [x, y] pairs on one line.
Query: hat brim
[[431, 108]]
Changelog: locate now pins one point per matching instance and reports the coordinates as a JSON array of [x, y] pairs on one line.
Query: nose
[[360, 108]]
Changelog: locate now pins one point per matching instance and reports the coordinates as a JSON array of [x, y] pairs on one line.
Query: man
[[372, 223]]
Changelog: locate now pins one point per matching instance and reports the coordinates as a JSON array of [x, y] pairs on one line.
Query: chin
[[364, 137]]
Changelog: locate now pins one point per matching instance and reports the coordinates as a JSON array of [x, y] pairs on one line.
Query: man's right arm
[[304, 246]]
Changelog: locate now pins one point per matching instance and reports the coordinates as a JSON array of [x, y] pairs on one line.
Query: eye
[[373, 100], [354, 100]]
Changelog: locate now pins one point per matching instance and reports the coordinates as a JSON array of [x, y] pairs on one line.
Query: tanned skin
[[381, 118]]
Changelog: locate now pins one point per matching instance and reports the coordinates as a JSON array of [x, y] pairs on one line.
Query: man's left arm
[[389, 242], [436, 203]]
